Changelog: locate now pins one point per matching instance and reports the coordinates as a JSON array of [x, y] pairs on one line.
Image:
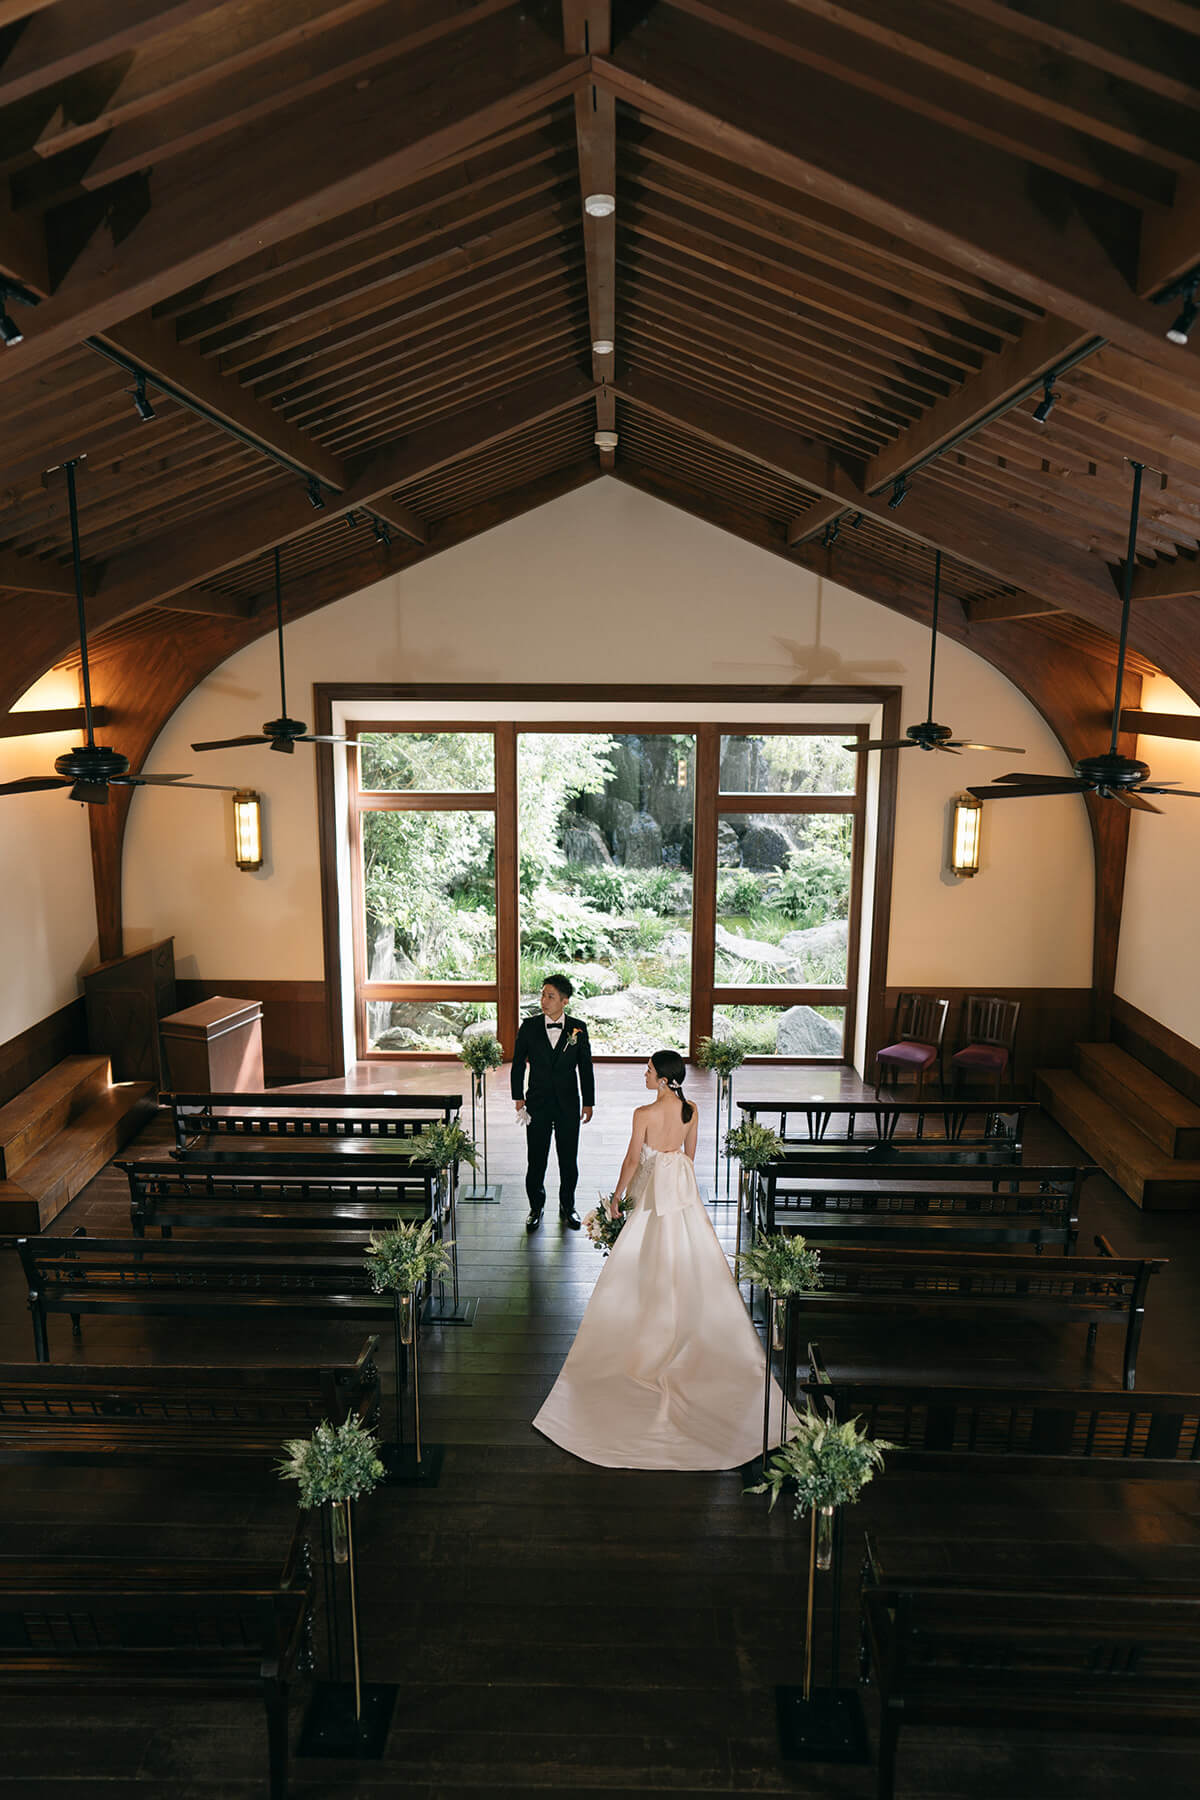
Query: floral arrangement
[[783, 1265], [336, 1463], [442, 1144], [398, 1261], [754, 1145], [481, 1052], [603, 1224], [721, 1055], [826, 1464]]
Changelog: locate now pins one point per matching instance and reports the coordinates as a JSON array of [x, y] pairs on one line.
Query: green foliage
[[422, 874], [783, 1265], [428, 761], [401, 1259], [441, 1144], [481, 1052], [554, 767], [721, 1055], [815, 885], [665, 893], [555, 923], [604, 1223], [826, 1464], [739, 891], [753, 1145], [336, 1463]]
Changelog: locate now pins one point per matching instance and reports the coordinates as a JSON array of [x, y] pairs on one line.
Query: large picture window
[[690, 881]]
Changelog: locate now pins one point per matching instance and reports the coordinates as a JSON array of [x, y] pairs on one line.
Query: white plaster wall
[[607, 584], [1158, 960], [47, 908]]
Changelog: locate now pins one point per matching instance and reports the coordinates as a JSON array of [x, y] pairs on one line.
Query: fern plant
[[401, 1259], [481, 1052], [825, 1464], [753, 1145], [441, 1144], [721, 1055], [782, 1265], [337, 1463]]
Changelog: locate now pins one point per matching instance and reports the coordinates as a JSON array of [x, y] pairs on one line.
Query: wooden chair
[[989, 1036], [919, 1027]]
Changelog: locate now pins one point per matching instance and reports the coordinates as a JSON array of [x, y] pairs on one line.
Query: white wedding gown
[[666, 1371]]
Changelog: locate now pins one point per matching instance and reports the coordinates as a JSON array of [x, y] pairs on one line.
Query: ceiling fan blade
[[950, 749], [93, 793], [967, 744], [33, 784], [1029, 789], [146, 780], [311, 737], [1022, 776], [178, 784], [232, 743], [1170, 793], [1133, 801], [882, 744]]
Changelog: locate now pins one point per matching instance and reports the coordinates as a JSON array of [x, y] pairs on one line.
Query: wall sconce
[[247, 829], [964, 835]]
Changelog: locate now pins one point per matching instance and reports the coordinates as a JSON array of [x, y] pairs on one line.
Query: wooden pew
[[263, 1194], [119, 1417], [213, 1279], [279, 1113], [980, 1287], [1058, 1655], [80, 1627], [1114, 1436], [962, 1131], [919, 1203]]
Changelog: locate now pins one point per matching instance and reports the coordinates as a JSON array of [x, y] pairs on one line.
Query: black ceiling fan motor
[[1112, 771], [91, 762], [928, 736]]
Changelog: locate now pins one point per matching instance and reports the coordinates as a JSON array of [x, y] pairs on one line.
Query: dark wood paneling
[[32, 1052], [1157, 1046], [296, 1043], [1053, 1020]]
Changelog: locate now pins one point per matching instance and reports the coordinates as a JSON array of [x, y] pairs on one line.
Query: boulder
[[638, 844], [481, 1028], [737, 766], [765, 847], [583, 842], [676, 946], [803, 1032], [648, 999], [751, 950], [594, 977], [618, 1007], [817, 947], [387, 961], [729, 851]]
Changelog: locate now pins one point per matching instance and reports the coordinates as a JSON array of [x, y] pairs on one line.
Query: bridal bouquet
[[603, 1224]]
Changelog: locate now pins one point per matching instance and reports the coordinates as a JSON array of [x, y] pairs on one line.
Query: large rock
[[803, 1032], [676, 946], [387, 962], [481, 1028], [639, 844], [583, 842], [604, 1006], [593, 977], [648, 999], [729, 851], [737, 766], [765, 847], [819, 946], [751, 950]]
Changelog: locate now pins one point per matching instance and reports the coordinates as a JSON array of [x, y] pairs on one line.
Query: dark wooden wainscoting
[[1053, 1020], [296, 1043], [33, 1052], [1158, 1047]]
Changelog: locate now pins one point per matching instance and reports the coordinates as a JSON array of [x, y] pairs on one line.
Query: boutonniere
[[574, 1035]]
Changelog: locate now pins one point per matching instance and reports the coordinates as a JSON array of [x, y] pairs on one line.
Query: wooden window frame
[[708, 804]]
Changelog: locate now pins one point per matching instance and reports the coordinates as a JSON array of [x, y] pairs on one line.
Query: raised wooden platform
[[60, 1132], [1141, 1131]]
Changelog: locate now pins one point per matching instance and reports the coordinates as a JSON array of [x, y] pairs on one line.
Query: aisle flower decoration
[[403, 1258], [781, 1264], [442, 1143], [753, 1145], [603, 1224], [481, 1052], [720, 1055]]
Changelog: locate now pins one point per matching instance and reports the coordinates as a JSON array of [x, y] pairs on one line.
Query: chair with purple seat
[[917, 1031], [988, 1039]]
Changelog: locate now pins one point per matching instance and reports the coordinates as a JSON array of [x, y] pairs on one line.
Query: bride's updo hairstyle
[[669, 1066]]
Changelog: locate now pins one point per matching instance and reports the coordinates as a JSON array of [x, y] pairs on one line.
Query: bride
[[666, 1371]]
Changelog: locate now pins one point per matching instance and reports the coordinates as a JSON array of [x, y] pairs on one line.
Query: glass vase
[[339, 1530], [778, 1313], [408, 1314], [824, 1537]]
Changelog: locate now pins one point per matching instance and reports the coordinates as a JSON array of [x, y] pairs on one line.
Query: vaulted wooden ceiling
[[343, 241]]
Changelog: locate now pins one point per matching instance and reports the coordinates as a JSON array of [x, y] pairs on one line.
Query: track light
[[856, 521], [351, 520], [899, 493], [382, 535], [830, 537], [1181, 329], [1045, 406], [142, 406], [316, 498], [600, 206]]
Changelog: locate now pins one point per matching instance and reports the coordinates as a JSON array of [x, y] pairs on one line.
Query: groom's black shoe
[[533, 1221], [571, 1220]]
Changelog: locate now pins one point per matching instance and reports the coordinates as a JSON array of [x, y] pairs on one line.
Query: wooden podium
[[215, 1047]]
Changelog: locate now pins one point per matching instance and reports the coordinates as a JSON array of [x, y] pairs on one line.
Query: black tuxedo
[[560, 1082]]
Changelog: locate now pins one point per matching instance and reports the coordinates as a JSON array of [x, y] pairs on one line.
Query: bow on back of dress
[[672, 1183]]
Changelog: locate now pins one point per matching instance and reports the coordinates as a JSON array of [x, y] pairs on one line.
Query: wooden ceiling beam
[[68, 38], [1160, 724], [210, 602], [1168, 580], [970, 204], [31, 575], [596, 145], [49, 719], [994, 607], [202, 213]]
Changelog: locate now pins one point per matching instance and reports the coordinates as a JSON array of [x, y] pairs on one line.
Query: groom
[[556, 1051]]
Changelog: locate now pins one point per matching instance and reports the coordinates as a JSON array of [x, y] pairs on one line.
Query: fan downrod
[[1112, 771], [91, 763]]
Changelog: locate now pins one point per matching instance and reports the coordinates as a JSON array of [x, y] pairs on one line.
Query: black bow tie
[[550, 1027]]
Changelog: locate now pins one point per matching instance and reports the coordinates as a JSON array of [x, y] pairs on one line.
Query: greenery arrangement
[[441, 1144], [481, 1052], [782, 1265], [337, 1463], [721, 1055], [753, 1145], [401, 1259], [603, 1224], [825, 1464]]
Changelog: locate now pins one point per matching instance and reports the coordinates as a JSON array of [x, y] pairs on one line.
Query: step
[[31, 1119], [1165, 1115], [1153, 1180], [62, 1168]]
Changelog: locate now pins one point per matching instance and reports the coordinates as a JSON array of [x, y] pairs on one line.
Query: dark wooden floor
[[557, 1628]]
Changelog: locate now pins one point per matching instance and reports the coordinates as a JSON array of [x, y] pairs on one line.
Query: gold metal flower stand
[[450, 1308], [405, 1463], [344, 1718], [485, 1192], [822, 1724]]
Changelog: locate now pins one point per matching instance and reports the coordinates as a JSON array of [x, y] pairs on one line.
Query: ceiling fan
[[927, 735], [282, 733], [1110, 775], [91, 769]]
